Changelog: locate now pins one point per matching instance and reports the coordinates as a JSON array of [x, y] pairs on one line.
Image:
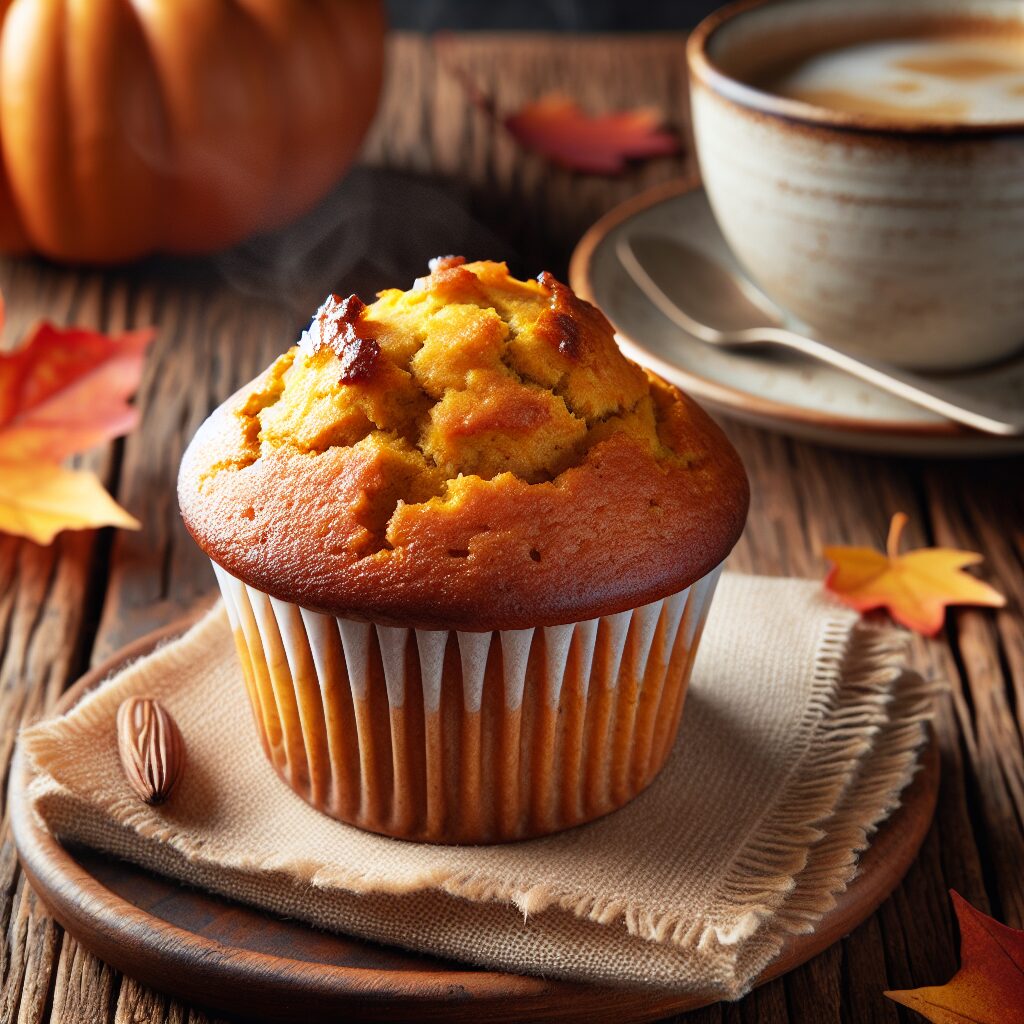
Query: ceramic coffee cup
[[896, 237]]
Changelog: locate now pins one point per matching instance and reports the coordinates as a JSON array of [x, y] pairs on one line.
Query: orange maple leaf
[[916, 587], [989, 987], [556, 127], [62, 392]]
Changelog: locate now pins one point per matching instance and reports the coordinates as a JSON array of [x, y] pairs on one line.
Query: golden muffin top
[[471, 372], [399, 436]]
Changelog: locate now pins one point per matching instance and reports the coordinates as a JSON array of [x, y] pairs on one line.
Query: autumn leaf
[[556, 127], [38, 500], [988, 988], [916, 587], [67, 390], [63, 392]]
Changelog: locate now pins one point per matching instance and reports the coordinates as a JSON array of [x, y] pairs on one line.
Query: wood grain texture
[[230, 957], [466, 185]]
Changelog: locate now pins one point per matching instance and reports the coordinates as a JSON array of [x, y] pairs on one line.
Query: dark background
[[569, 15]]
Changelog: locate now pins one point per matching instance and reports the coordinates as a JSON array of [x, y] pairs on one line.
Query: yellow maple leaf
[[39, 499], [988, 988], [62, 392], [916, 587]]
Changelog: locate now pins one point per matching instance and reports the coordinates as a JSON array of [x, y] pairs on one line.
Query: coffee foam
[[973, 78]]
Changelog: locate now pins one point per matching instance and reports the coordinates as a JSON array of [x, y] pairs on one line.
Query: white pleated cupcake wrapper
[[311, 678]]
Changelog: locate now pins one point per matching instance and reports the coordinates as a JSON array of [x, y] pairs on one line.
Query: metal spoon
[[743, 318]]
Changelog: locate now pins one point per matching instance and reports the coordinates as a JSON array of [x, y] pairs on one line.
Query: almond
[[151, 748]]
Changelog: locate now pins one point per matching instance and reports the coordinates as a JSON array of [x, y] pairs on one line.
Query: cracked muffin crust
[[474, 453]]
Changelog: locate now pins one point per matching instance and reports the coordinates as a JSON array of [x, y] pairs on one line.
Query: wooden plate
[[775, 391], [234, 959]]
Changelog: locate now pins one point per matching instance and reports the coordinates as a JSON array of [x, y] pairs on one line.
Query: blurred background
[[567, 15]]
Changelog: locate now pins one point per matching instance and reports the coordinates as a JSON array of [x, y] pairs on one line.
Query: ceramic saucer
[[776, 391]]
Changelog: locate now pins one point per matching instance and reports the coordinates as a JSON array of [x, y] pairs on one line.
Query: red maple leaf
[[557, 128], [63, 391], [989, 987]]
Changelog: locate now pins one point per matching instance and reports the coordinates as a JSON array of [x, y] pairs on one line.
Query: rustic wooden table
[[466, 185]]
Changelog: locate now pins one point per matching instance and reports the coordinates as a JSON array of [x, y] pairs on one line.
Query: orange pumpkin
[[128, 126]]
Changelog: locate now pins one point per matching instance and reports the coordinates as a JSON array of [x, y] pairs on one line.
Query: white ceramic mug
[[903, 241]]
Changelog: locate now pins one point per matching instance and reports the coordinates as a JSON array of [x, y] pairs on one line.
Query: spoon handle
[[970, 410]]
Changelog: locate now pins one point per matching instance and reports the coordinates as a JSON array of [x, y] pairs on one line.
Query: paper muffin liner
[[463, 737]]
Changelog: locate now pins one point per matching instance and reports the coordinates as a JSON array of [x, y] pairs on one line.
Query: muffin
[[466, 550]]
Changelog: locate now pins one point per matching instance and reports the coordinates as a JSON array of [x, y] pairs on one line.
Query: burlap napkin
[[800, 730]]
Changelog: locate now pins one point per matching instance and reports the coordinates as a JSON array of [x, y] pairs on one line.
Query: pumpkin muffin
[[466, 549]]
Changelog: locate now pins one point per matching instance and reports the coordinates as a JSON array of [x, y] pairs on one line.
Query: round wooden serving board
[[247, 963]]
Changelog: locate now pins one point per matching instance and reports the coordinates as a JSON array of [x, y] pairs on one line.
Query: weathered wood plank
[[139, 1005], [963, 517], [29, 950], [85, 989], [864, 977], [207, 346]]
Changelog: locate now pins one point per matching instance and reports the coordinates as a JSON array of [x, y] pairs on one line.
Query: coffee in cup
[[971, 76]]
